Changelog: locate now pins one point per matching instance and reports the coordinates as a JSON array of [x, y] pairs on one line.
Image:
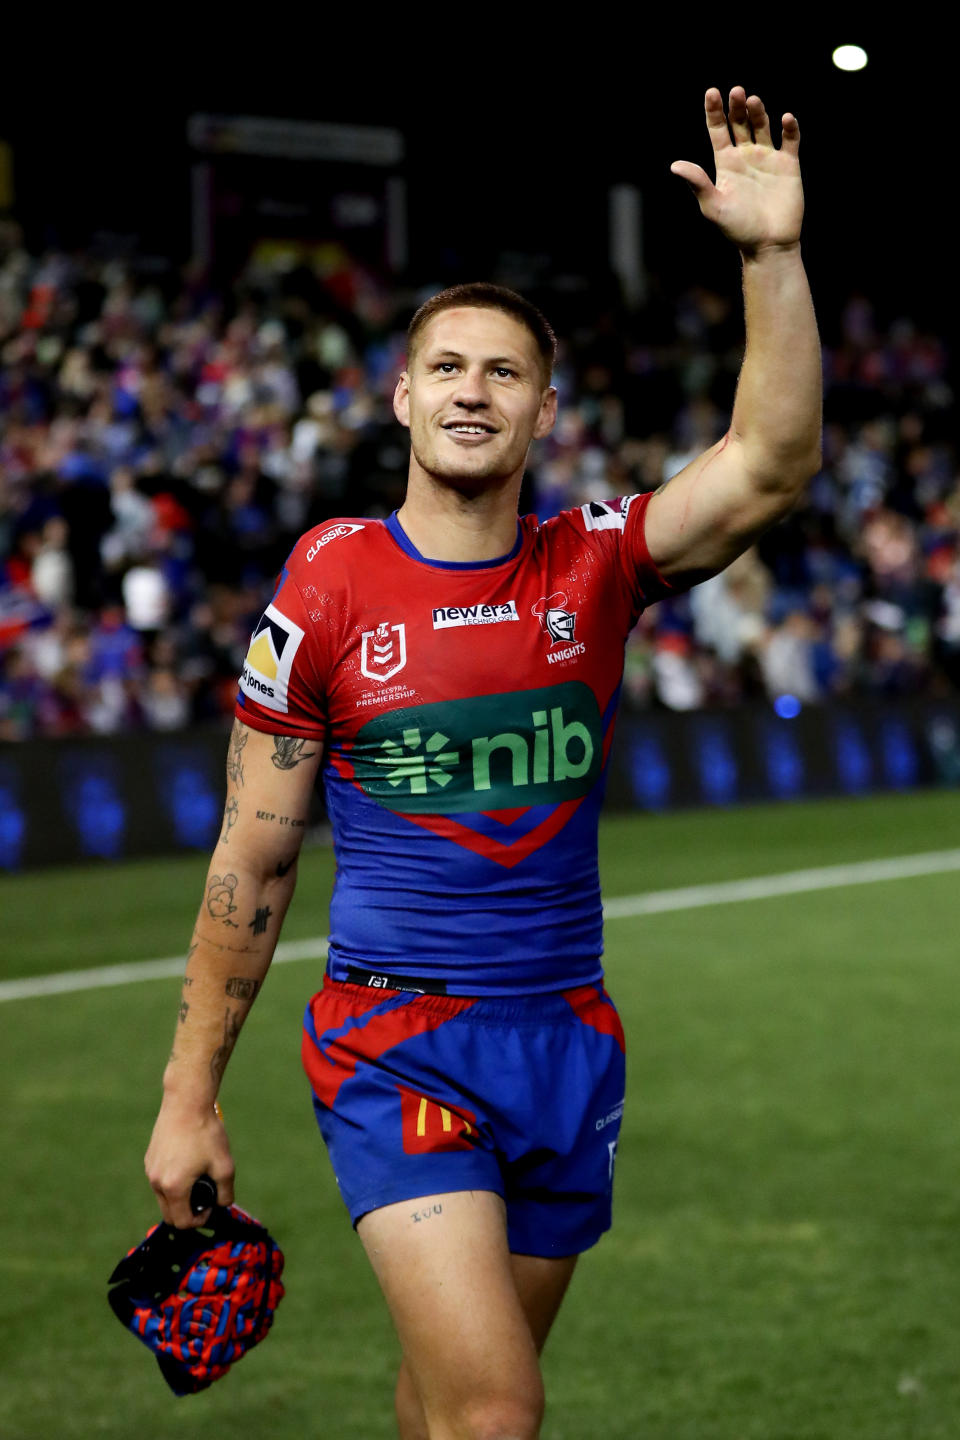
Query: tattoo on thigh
[[427, 1214]]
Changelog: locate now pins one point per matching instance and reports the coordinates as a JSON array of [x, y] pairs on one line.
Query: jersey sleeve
[[282, 684], [623, 520]]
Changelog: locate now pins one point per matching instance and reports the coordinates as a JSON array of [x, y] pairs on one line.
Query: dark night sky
[[511, 146]]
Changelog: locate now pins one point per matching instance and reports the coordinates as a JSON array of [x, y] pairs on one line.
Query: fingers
[[697, 178], [791, 134], [745, 122]]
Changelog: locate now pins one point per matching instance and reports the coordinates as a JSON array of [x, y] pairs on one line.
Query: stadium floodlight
[[849, 57]]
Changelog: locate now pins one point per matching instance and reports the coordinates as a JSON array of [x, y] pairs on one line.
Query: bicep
[[270, 781], [709, 513]]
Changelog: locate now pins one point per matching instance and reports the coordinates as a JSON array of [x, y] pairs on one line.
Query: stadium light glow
[[849, 57], [787, 707]]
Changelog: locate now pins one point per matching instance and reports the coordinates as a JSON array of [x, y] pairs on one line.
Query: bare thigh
[[471, 1317]]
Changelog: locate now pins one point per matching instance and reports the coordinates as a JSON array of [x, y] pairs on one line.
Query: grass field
[[787, 1242]]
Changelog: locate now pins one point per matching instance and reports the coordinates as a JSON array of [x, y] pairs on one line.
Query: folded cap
[[200, 1298]]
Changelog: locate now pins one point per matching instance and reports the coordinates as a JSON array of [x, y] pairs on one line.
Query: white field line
[[655, 902]]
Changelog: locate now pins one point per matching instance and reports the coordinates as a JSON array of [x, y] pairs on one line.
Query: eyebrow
[[510, 360]]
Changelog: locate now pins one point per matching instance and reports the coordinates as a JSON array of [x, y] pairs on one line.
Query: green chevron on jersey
[[489, 752]]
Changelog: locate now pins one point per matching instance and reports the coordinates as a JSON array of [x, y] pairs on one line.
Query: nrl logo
[[383, 652], [557, 621]]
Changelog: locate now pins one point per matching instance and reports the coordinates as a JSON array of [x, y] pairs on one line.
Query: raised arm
[[248, 888], [713, 509]]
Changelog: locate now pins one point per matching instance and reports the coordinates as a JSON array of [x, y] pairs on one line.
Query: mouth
[[471, 431]]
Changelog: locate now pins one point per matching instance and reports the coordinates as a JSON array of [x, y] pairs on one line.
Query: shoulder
[[336, 545], [598, 521]]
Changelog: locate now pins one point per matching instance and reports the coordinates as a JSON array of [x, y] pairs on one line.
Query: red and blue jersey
[[466, 712]]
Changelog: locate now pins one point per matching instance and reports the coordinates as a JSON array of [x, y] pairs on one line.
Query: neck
[[446, 524]]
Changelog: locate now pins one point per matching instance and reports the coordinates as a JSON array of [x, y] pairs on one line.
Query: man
[[457, 674]]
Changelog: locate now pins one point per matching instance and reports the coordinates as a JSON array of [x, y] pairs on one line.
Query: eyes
[[502, 372]]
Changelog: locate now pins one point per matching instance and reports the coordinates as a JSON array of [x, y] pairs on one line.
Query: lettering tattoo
[[283, 869], [288, 752], [242, 988], [230, 817], [220, 894], [188, 980], [259, 922], [418, 1215], [290, 820], [239, 736], [220, 1056], [182, 1013]]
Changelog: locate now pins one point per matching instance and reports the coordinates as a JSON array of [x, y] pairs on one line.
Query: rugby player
[[455, 672]]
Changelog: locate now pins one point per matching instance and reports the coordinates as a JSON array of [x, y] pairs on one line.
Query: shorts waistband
[[552, 1006], [378, 980]]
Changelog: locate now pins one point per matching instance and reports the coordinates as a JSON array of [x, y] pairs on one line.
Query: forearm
[[777, 414], [230, 952]]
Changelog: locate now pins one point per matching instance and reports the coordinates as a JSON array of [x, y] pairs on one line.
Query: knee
[[513, 1417]]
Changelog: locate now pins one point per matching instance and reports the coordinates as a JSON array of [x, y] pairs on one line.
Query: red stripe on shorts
[[329, 1067], [593, 1007]]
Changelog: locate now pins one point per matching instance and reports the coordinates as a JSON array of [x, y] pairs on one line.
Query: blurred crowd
[[163, 444]]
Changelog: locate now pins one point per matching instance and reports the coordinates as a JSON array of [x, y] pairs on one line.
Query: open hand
[[757, 199]]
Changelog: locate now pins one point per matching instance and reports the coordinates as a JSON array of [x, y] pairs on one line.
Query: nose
[[473, 392]]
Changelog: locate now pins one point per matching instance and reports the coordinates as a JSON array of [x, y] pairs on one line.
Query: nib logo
[[414, 763]]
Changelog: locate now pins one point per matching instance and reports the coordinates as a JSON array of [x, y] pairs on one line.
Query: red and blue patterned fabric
[[200, 1298], [466, 713]]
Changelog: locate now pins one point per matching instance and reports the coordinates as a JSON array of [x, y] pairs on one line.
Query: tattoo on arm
[[288, 752], [290, 820], [283, 869], [184, 1007], [241, 987], [220, 1056], [239, 736], [259, 922], [220, 903], [230, 817]]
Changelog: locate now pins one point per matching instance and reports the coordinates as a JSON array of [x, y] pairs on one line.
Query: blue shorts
[[425, 1094]]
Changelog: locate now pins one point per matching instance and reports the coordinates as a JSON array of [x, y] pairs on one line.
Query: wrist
[[769, 253]]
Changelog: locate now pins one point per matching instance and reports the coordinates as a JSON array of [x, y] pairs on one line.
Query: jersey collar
[[408, 548]]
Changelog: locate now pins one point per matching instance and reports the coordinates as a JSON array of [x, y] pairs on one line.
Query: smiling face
[[474, 397]]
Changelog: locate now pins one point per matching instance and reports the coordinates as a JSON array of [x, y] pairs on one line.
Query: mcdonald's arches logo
[[430, 1126]]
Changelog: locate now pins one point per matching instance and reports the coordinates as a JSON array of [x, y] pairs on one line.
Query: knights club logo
[[555, 619], [383, 652]]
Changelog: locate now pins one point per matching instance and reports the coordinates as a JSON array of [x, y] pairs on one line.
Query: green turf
[[784, 1258]]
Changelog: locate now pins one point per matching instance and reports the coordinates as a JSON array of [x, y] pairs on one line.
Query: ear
[[548, 413], [401, 400]]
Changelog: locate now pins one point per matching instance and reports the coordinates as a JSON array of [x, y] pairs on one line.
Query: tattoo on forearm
[[220, 903], [219, 1058], [288, 752], [230, 817], [182, 1013], [241, 987], [191, 950], [283, 869], [259, 922], [187, 980], [239, 736]]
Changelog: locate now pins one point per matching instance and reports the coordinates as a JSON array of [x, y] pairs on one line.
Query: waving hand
[[757, 197]]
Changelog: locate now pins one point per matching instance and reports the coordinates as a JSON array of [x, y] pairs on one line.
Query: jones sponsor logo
[[269, 660], [491, 752], [445, 617], [336, 532], [603, 515]]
